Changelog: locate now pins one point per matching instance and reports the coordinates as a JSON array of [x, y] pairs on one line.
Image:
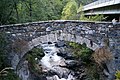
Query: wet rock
[[65, 54], [106, 73], [82, 75], [71, 63], [49, 42], [60, 44]]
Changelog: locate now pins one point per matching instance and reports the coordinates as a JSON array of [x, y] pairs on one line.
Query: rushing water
[[51, 61]]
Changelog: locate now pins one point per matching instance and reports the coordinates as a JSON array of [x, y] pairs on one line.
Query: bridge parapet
[[90, 30]]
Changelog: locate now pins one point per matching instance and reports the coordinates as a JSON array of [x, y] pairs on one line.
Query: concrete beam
[[103, 12], [100, 3]]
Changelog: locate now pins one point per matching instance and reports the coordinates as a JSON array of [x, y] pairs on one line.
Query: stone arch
[[54, 37], [63, 36]]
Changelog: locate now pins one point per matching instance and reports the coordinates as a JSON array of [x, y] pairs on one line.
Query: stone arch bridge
[[23, 37]]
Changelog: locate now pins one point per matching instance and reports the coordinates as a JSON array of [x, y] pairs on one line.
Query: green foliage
[[34, 53], [70, 10], [92, 72], [84, 53], [19, 11], [81, 51], [5, 10], [117, 75], [98, 17], [32, 62]]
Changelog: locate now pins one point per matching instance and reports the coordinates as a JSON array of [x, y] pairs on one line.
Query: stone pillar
[[111, 64]]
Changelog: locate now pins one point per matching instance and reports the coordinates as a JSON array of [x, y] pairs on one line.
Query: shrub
[[92, 18], [102, 56], [81, 51], [34, 53], [92, 72]]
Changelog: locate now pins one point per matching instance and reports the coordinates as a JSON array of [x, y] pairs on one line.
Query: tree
[[20, 11], [37, 10], [70, 10], [6, 9]]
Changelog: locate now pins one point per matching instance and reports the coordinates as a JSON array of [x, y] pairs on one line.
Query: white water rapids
[[51, 61]]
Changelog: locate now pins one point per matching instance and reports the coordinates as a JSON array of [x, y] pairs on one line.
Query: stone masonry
[[94, 34]]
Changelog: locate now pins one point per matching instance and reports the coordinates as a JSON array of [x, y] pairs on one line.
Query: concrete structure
[[23, 37], [106, 7]]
